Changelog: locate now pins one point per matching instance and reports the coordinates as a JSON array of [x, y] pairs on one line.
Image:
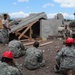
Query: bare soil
[[49, 53]]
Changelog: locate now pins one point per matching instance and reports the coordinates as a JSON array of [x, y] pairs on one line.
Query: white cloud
[[51, 15], [14, 3], [66, 15], [22, 14], [23, 0], [66, 3], [19, 14], [48, 4]]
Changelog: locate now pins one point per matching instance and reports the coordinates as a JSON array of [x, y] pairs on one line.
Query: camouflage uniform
[[17, 48], [5, 69], [34, 58], [66, 58]]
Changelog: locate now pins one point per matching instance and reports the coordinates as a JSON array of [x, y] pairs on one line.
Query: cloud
[[14, 3], [22, 14], [23, 0], [66, 3], [48, 4], [19, 14], [66, 15]]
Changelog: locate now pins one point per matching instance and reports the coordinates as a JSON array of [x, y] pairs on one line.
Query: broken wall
[[49, 27]]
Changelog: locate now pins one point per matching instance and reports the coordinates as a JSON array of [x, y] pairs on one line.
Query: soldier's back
[[68, 58], [33, 58], [5, 69]]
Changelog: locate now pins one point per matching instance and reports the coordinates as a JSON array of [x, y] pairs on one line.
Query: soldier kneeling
[[17, 48], [6, 67], [34, 57], [66, 58]]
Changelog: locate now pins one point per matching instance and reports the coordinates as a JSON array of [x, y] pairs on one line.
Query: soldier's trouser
[[5, 35]]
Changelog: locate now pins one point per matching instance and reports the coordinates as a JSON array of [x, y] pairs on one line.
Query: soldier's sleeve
[[59, 54], [40, 56], [13, 71], [28, 51], [17, 72]]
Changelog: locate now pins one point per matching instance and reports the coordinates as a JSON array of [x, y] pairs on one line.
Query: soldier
[[66, 57], [6, 67], [5, 28], [17, 48], [34, 57], [66, 32]]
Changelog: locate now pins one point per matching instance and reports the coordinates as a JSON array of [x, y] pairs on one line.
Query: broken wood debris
[[43, 44]]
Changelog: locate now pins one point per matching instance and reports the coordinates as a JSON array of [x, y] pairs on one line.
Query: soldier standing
[[5, 28], [34, 57], [66, 57], [6, 67]]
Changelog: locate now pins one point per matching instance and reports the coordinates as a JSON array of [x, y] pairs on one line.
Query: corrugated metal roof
[[27, 20]]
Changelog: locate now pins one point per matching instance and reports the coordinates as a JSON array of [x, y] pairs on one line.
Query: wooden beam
[[24, 40], [21, 28], [30, 43], [46, 43], [18, 33], [26, 29], [30, 33]]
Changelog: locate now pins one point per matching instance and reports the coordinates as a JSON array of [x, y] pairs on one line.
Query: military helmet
[[69, 41], [7, 54]]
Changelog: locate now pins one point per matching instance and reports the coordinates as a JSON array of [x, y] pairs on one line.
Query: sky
[[22, 8]]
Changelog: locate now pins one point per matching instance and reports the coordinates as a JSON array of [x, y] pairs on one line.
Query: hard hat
[[7, 54], [69, 41]]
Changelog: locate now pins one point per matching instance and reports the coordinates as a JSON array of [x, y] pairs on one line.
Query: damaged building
[[36, 25]]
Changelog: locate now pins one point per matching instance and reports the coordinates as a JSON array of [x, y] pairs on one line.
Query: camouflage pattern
[[5, 69], [66, 58], [17, 48], [4, 36], [34, 58]]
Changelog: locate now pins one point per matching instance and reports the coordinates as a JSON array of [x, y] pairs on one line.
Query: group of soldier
[[33, 56], [65, 58]]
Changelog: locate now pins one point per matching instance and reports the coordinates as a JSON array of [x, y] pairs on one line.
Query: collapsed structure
[[37, 25]]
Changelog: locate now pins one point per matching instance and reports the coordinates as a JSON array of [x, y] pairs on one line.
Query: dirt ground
[[49, 53]]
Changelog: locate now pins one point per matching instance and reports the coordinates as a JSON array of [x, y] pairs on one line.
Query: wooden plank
[[26, 30], [25, 36], [24, 40], [30, 43], [21, 28], [30, 33], [46, 43]]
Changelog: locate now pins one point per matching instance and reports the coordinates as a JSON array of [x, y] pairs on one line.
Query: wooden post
[[30, 33], [28, 27]]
